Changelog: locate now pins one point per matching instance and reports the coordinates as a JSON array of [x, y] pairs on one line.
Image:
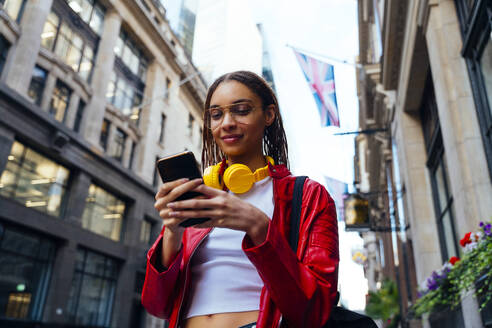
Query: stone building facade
[[423, 156], [92, 92]]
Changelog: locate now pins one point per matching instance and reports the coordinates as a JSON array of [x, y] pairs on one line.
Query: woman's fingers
[[208, 191], [172, 190], [168, 186]]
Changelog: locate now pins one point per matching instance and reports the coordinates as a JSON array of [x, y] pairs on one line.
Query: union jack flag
[[321, 81]]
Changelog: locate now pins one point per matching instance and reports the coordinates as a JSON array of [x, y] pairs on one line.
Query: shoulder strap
[[295, 215]]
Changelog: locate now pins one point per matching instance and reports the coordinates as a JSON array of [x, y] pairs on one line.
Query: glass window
[[103, 138], [132, 155], [191, 121], [131, 56], [486, 65], [145, 231], [14, 8], [59, 37], [155, 177], [60, 101], [34, 180], [49, 31], [125, 96], [93, 289], [90, 11], [78, 116], [168, 87], [119, 145], [103, 213], [36, 87], [4, 50], [26, 262]]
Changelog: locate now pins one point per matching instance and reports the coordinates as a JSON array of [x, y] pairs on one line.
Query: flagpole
[[324, 56]]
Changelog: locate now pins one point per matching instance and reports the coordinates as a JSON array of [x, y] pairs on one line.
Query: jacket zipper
[[186, 274]]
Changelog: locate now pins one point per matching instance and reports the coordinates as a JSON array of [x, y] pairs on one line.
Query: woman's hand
[[169, 192], [224, 210]]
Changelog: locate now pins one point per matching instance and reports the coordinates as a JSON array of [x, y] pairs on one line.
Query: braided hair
[[274, 139]]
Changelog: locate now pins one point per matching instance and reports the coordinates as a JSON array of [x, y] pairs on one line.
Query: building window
[[34, 180], [93, 289], [126, 88], [103, 213], [436, 162], [131, 56], [119, 145], [90, 11], [36, 87], [125, 96], [163, 125], [476, 28], [70, 45], [146, 228], [168, 88], [14, 8], [60, 101], [27, 260], [103, 137], [78, 116], [191, 121], [132, 155], [4, 50]]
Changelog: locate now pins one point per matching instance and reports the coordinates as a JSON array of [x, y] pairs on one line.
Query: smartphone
[[178, 166]]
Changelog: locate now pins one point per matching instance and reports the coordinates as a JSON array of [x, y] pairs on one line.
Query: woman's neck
[[253, 162]]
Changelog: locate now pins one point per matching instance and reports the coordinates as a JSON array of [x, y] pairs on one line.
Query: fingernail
[[173, 214], [171, 205], [184, 180]]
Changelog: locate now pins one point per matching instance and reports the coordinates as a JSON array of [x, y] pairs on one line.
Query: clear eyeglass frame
[[234, 112]]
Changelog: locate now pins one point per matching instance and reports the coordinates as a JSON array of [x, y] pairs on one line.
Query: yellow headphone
[[238, 178]]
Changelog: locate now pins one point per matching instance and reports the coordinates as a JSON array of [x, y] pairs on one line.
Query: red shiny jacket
[[299, 290]]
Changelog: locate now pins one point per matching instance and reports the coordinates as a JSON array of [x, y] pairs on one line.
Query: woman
[[237, 269]]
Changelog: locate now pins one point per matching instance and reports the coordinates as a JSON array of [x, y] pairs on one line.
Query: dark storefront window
[[36, 87], [59, 101], [26, 261], [93, 289], [14, 8], [476, 26], [119, 145], [436, 162], [103, 213], [4, 50], [34, 180]]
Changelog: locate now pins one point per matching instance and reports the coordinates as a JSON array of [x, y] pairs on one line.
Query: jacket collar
[[278, 171]]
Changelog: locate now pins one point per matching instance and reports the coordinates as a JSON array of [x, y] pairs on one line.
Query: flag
[[321, 81]]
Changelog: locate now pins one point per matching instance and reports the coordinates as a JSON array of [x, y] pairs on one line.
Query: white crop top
[[222, 277]]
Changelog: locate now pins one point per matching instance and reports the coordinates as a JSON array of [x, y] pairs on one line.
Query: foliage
[[384, 304], [444, 288]]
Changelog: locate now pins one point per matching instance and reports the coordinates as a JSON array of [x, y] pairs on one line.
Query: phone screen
[[179, 166]]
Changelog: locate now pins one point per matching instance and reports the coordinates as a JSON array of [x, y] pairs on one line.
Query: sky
[[326, 30]]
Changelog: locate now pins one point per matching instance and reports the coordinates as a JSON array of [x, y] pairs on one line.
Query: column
[[72, 110], [412, 157], [27, 47], [94, 114], [61, 282], [79, 188], [48, 91], [465, 155]]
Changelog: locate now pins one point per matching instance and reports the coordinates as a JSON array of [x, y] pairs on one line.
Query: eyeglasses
[[240, 112]]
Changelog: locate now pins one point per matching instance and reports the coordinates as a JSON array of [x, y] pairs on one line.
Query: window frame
[[476, 28], [58, 86], [38, 100], [19, 14]]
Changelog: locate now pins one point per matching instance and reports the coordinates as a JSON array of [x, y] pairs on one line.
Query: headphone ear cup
[[238, 178], [211, 177]]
